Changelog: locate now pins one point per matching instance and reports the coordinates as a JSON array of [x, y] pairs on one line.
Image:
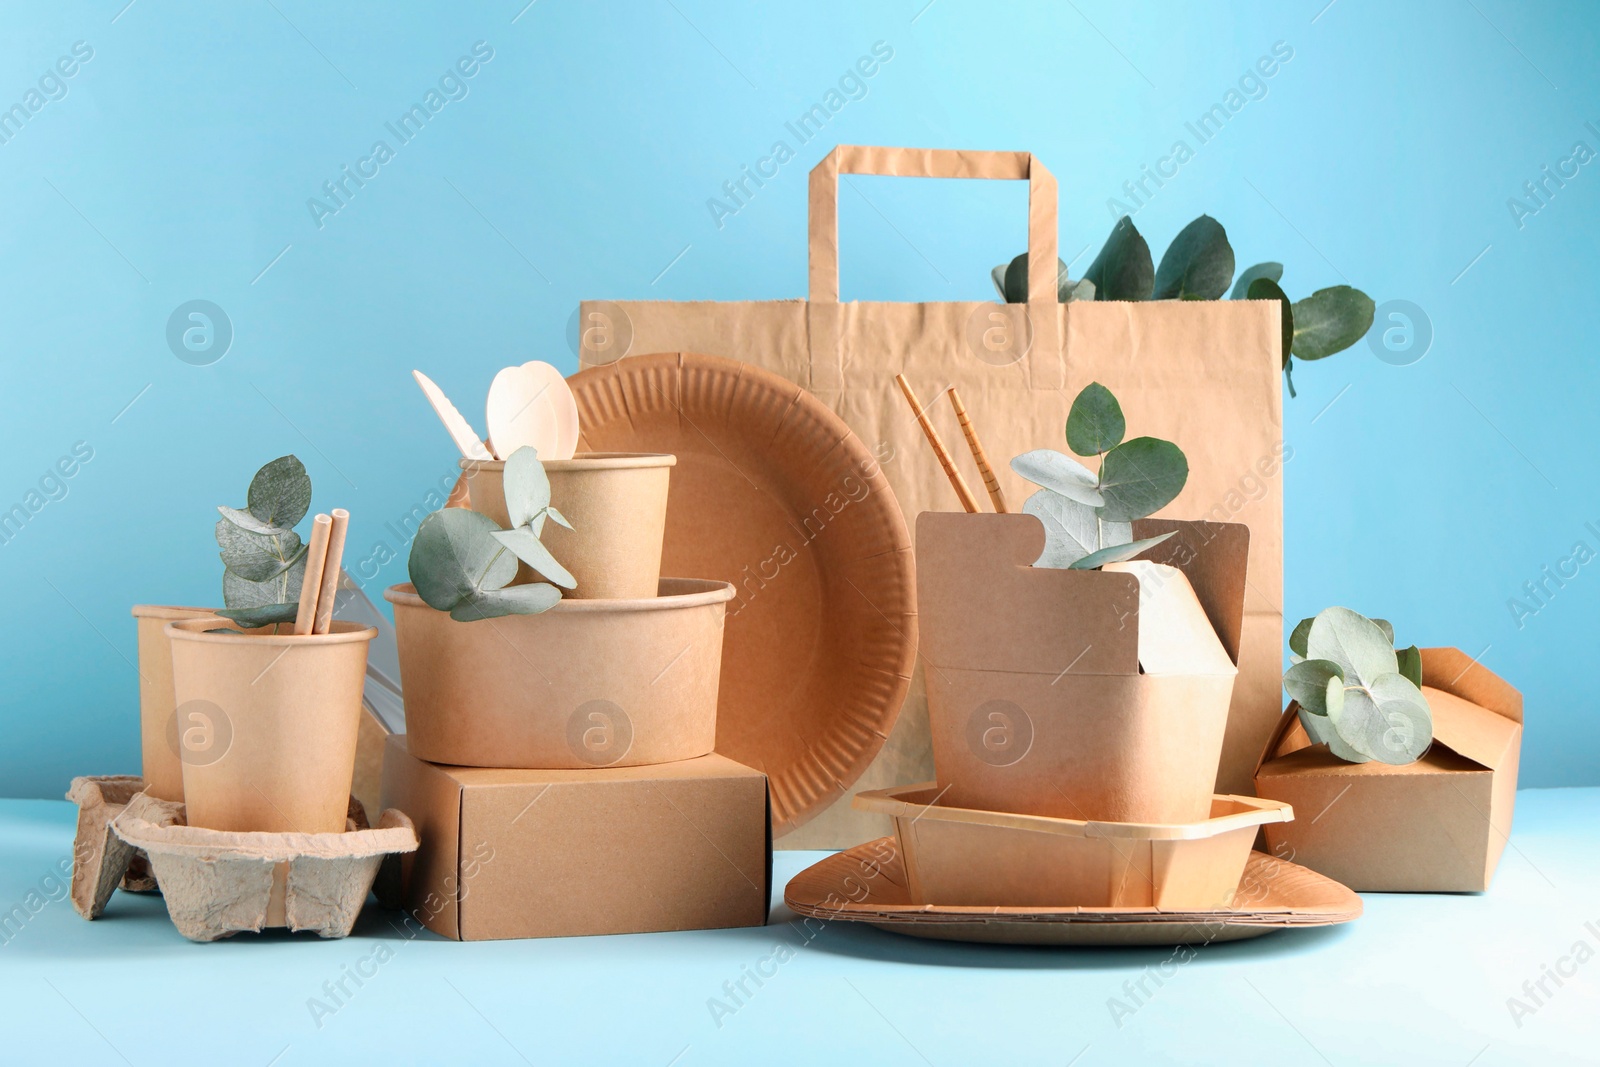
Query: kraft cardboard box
[[523, 853], [1437, 825]]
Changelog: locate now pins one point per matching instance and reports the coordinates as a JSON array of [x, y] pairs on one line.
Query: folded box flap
[[1469, 729], [1175, 635]]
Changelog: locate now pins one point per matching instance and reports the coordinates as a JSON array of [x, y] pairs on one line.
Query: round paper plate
[[867, 884], [773, 493]]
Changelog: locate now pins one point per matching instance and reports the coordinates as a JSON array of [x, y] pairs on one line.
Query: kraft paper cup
[[267, 724], [589, 683], [617, 504], [163, 773]]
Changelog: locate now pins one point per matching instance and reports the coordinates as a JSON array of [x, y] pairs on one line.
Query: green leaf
[[1095, 423], [1060, 473], [265, 615], [257, 557], [454, 557], [1071, 530], [1388, 721], [1140, 477], [1118, 553], [1198, 264], [526, 487], [517, 600], [1331, 320], [1123, 270], [1307, 683], [280, 493], [246, 521], [284, 588], [1321, 731], [1267, 289], [1082, 289], [1297, 638], [531, 551], [1388, 629], [1411, 665], [558, 518], [1270, 271], [1354, 642], [1014, 286]]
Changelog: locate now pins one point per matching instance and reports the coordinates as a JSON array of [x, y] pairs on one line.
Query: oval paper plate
[[773, 493], [868, 884]]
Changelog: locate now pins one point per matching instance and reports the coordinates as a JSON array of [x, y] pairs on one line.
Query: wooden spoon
[[532, 405]]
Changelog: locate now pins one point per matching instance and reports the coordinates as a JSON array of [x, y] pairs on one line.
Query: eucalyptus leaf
[[1140, 477], [526, 487], [998, 276], [531, 551], [1388, 629], [1198, 264], [264, 615], [1123, 270], [1118, 553], [1267, 289], [1321, 731], [246, 521], [1271, 271], [1355, 643], [515, 600], [1411, 665], [254, 556], [454, 557], [284, 588], [1331, 320], [1082, 289], [1307, 683], [280, 493], [1060, 473], [1071, 531], [1388, 721], [1014, 287], [1095, 423], [1297, 638], [558, 518]]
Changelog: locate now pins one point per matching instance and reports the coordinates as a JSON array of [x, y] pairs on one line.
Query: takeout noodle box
[[589, 683], [964, 857], [617, 504], [1436, 825], [1077, 694], [508, 853], [217, 883], [158, 740]]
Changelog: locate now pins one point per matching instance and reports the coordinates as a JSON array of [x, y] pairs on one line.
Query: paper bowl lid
[[773, 493]]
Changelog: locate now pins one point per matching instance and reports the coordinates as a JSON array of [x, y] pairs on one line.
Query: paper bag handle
[[932, 163]]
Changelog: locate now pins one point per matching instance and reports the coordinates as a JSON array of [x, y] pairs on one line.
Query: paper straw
[[996, 496], [311, 586], [968, 501], [330, 570]]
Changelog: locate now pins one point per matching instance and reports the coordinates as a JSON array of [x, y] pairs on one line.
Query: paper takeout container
[[617, 504], [964, 857], [218, 883], [268, 724], [589, 683], [1437, 825], [1076, 694], [559, 853], [162, 769]]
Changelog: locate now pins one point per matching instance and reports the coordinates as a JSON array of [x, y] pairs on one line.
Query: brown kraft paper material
[[1204, 374]]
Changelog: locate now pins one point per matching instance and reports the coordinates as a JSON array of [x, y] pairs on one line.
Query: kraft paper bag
[[1204, 374]]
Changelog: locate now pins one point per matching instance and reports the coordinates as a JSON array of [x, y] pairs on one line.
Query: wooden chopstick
[[330, 570], [996, 495], [968, 501], [311, 585]]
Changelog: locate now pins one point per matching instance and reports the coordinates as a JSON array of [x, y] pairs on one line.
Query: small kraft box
[[556, 853], [1437, 825]]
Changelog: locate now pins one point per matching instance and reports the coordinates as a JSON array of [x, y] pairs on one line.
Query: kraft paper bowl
[[617, 504], [963, 857], [267, 724], [163, 773], [589, 683]]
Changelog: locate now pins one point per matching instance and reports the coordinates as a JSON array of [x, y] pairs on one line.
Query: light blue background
[[179, 163]]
